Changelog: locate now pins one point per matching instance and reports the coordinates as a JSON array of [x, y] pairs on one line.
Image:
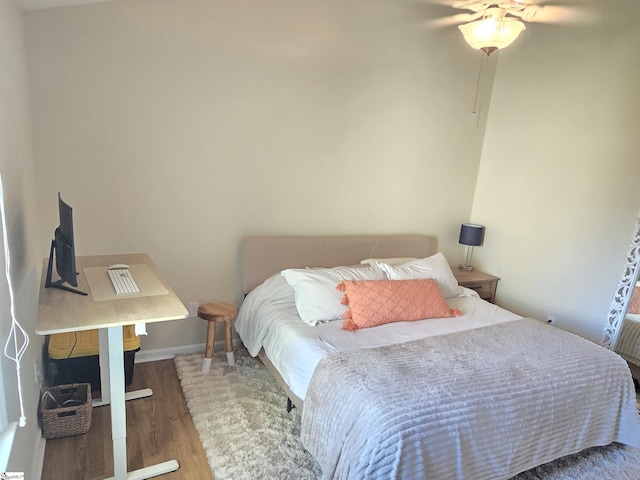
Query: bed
[[480, 393], [628, 344]]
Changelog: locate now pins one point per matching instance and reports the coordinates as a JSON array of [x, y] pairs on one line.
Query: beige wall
[[16, 168], [178, 127], [212, 121], [560, 170]]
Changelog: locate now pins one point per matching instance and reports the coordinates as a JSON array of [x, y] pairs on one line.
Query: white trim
[[7, 434], [39, 4], [622, 295], [6, 443], [166, 353], [38, 456]]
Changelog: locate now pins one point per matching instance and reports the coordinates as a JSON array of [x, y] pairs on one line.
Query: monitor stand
[[59, 283]]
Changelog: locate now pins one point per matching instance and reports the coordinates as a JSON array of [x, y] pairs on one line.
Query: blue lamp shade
[[471, 234]]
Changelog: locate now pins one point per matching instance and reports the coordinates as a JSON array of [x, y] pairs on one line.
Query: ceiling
[[36, 4], [612, 13]]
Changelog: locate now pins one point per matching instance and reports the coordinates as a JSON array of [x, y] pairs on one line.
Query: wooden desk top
[[60, 311]]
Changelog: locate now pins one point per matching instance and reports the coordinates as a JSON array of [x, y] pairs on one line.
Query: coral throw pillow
[[376, 302]]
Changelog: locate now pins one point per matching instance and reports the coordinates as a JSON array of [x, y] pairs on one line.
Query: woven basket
[[66, 410]]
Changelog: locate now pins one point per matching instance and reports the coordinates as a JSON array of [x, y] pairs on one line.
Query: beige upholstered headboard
[[264, 256]]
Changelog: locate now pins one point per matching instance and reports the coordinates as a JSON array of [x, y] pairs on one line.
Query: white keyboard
[[122, 281]]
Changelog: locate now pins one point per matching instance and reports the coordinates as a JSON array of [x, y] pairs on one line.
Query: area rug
[[241, 417]]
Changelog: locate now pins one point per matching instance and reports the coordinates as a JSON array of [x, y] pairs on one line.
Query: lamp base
[[466, 268]]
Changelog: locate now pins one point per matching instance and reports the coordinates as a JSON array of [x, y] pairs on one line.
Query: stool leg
[[208, 352], [227, 336]]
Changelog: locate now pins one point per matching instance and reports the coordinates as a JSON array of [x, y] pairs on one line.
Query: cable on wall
[[15, 326]]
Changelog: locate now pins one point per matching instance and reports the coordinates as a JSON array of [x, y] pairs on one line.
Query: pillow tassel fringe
[[349, 325]]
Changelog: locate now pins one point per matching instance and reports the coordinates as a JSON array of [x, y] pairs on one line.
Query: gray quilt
[[481, 404]]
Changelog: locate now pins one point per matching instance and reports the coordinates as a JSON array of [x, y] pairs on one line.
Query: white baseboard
[[166, 353], [38, 457]]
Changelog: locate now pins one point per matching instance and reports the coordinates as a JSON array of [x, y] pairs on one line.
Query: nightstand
[[481, 282]]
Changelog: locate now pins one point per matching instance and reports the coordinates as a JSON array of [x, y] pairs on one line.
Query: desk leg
[[103, 353], [144, 392], [119, 415], [105, 390], [118, 407], [153, 471]]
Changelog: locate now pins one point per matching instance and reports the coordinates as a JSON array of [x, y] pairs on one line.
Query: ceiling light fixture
[[492, 32]]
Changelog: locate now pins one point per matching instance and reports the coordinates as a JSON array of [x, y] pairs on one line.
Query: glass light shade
[[491, 33]]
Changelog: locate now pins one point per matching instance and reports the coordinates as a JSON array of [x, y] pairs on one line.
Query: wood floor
[[159, 428]]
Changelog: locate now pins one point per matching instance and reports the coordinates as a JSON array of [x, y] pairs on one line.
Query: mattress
[[628, 345], [539, 372], [268, 320], [484, 403]]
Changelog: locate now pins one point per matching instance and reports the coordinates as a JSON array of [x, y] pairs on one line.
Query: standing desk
[[61, 312]]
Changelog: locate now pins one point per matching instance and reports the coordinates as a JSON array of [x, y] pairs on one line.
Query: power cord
[[15, 326]]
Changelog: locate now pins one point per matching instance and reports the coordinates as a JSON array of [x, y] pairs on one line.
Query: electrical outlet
[[193, 309], [551, 320]]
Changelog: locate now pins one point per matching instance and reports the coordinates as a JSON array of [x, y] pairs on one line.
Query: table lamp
[[471, 235]]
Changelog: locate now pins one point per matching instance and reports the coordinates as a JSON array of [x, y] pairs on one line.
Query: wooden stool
[[217, 312]]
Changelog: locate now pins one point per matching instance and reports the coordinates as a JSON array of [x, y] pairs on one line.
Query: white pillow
[[435, 266], [388, 261], [317, 299]]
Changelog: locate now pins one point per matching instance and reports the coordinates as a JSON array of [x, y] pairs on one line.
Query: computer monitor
[[63, 249]]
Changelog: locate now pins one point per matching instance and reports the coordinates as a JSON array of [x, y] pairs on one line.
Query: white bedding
[[268, 319]]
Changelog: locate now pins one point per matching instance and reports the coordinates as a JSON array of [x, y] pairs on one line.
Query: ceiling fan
[[496, 24], [492, 25]]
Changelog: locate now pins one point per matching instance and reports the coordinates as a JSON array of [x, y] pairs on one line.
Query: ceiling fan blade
[[453, 19], [557, 14], [448, 3], [445, 3], [473, 5]]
